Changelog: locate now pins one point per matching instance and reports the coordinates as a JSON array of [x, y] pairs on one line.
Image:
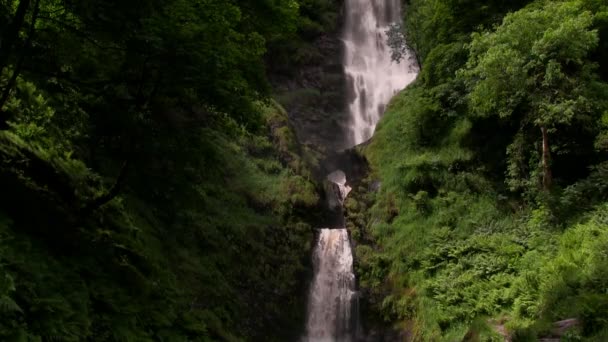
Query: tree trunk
[[12, 33], [17, 68], [113, 192], [546, 160]]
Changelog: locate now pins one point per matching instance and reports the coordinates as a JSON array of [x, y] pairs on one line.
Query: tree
[[535, 68], [11, 33]]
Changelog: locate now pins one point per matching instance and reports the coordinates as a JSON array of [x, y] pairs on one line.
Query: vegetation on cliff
[[491, 214], [151, 190]]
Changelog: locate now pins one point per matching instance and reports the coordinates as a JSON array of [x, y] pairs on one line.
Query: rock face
[[350, 161], [313, 90]]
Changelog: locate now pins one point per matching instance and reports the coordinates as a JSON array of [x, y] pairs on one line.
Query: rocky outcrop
[[313, 90], [558, 330]]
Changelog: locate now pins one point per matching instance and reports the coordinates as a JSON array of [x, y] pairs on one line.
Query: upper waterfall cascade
[[373, 78]]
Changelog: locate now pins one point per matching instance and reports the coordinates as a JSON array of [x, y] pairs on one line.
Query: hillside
[[490, 218]]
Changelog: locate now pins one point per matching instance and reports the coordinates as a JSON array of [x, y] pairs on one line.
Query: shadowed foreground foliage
[[151, 190]]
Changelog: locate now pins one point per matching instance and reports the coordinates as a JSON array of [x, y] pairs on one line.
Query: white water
[[332, 308], [373, 78]]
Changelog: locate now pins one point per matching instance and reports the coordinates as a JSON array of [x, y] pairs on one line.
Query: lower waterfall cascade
[[333, 303]]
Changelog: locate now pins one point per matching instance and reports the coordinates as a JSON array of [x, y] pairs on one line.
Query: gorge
[[372, 78], [234, 171]]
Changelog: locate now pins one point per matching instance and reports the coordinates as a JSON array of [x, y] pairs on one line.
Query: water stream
[[372, 77], [372, 80], [333, 313]]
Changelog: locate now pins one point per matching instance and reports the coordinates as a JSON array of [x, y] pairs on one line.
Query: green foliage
[[206, 269], [448, 247], [150, 189], [316, 19], [536, 60], [429, 23], [578, 268]]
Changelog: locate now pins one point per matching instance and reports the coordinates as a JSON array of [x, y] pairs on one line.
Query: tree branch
[[11, 83], [81, 34], [113, 192], [12, 33]]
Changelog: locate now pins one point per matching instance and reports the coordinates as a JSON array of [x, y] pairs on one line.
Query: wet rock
[[314, 93]]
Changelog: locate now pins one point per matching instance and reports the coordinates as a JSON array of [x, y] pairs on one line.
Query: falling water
[[373, 78], [332, 311]]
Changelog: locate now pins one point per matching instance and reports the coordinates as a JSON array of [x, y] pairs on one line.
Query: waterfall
[[372, 77], [332, 311], [372, 80], [338, 190]]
